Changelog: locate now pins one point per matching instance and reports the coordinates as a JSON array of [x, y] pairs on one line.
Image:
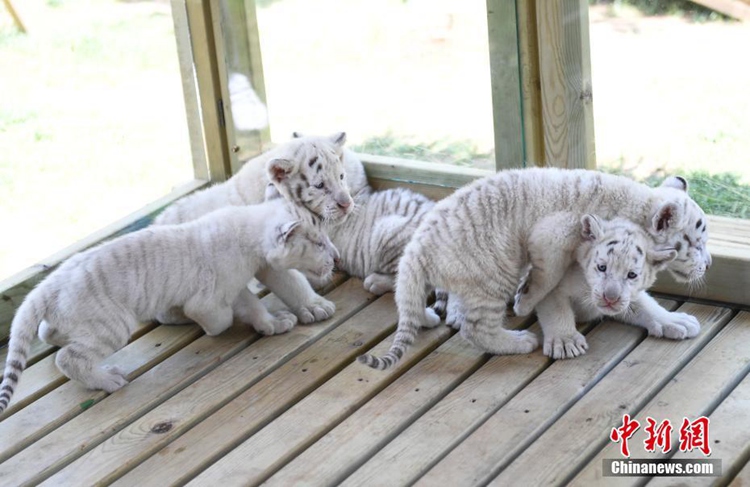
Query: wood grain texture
[[205, 61], [531, 83], [314, 416], [195, 383], [330, 460], [507, 432], [565, 72], [273, 394], [694, 391], [585, 427], [59, 411]]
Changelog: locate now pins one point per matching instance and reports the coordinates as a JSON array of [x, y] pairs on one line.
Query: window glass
[[92, 121], [404, 78], [671, 96]]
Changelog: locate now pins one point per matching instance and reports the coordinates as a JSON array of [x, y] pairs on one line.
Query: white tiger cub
[[92, 303], [615, 261], [473, 245], [311, 173], [372, 240]]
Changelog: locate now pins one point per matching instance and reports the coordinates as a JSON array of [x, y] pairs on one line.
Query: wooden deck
[[297, 409]]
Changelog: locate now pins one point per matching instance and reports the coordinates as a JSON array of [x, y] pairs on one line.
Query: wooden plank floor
[[296, 409]]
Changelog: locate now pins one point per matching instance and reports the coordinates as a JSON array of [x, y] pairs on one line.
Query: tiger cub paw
[[282, 322], [565, 346], [379, 284], [318, 310], [676, 326]]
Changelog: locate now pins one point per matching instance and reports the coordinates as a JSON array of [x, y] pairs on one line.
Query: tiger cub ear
[[286, 230], [338, 139], [677, 182], [297, 135], [280, 169], [591, 227], [668, 215], [659, 258]]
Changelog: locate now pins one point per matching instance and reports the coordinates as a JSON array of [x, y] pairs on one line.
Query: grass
[[722, 194], [459, 153], [682, 8]]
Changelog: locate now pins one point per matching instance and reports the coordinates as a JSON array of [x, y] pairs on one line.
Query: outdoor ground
[[92, 122]]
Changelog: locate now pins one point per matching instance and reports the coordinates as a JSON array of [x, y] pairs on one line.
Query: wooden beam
[[565, 71], [506, 84], [14, 289]]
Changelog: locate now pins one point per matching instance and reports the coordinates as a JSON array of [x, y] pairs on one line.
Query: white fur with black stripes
[[474, 244]]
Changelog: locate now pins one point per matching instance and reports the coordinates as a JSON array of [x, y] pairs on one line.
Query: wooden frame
[[202, 90]]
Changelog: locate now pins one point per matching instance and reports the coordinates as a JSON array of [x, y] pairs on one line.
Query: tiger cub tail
[[23, 330], [411, 295]]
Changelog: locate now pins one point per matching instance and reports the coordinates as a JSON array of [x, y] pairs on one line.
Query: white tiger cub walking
[[615, 262], [311, 173], [92, 303], [474, 244]]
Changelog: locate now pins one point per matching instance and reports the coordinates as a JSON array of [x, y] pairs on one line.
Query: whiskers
[[696, 285]]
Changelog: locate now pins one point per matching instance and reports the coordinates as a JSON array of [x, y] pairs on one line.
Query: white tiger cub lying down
[[615, 262], [372, 240], [473, 245], [92, 303]]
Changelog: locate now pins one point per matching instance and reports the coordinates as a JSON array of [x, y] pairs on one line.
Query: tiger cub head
[[619, 261], [304, 247], [309, 173], [678, 222]]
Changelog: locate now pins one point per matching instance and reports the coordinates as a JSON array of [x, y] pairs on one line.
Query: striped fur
[[296, 168], [91, 304], [616, 261], [474, 244], [372, 240]]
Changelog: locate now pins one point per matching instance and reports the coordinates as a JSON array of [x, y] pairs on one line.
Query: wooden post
[[565, 71], [239, 59], [531, 87], [209, 89], [190, 90], [506, 82]]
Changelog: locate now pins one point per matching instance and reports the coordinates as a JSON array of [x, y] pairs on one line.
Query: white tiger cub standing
[[311, 173], [473, 245], [92, 303], [615, 261]]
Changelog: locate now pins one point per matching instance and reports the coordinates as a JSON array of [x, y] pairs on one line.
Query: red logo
[[693, 435]]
